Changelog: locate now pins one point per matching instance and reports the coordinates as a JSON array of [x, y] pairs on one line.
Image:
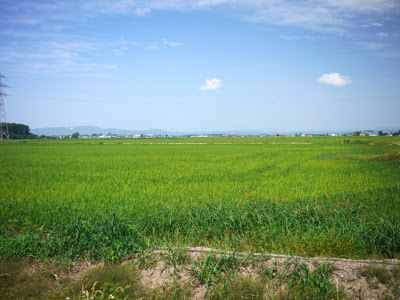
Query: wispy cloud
[[170, 44], [35, 5], [142, 11], [335, 79], [120, 51], [54, 56], [302, 37], [315, 18], [144, 45], [74, 46], [371, 45], [383, 34], [205, 3], [153, 45], [374, 24], [23, 21], [37, 21], [335, 16], [365, 6], [53, 51], [211, 84], [30, 12], [110, 66], [65, 66]]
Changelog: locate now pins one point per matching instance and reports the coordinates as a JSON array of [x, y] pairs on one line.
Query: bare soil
[[157, 273], [347, 273]]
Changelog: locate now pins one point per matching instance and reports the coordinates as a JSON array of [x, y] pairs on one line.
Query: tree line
[[18, 131]]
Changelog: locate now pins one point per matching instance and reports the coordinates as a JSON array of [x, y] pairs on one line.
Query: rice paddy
[[111, 199]]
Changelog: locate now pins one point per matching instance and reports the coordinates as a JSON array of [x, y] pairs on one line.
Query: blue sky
[[202, 65]]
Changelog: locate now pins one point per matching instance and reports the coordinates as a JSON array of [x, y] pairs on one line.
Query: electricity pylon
[[3, 120]]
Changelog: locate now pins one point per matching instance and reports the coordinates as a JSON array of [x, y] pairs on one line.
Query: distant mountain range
[[89, 130], [49, 131]]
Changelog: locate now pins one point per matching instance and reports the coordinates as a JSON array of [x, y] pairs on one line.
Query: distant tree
[[94, 135], [357, 133], [75, 135], [20, 131], [380, 133]]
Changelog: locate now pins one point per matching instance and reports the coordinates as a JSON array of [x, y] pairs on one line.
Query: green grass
[[215, 268], [78, 199], [220, 274], [303, 282]]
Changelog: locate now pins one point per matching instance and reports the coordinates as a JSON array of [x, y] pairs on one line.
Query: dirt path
[[361, 279], [176, 270]]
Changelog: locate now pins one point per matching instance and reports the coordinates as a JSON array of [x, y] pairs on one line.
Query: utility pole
[[3, 120]]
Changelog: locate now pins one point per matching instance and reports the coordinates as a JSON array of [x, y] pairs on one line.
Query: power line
[[3, 120]]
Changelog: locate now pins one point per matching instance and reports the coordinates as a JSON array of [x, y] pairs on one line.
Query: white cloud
[[120, 51], [142, 11], [364, 6], [149, 46], [54, 56], [383, 34], [65, 66], [171, 44], [111, 66], [374, 24], [54, 51], [212, 2], [334, 16], [371, 45], [316, 18], [335, 79], [73, 46], [212, 84]]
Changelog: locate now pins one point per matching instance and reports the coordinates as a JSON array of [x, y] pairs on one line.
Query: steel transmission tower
[[3, 120]]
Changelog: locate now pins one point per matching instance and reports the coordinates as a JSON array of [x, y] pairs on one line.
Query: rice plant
[[85, 200]]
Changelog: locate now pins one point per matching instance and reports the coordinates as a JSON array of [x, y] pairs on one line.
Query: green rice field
[[112, 198]]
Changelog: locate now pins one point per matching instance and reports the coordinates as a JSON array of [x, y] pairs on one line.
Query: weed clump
[[249, 288], [215, 268], [24, 280], [109, 281], [390, 277], [301, 282]]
